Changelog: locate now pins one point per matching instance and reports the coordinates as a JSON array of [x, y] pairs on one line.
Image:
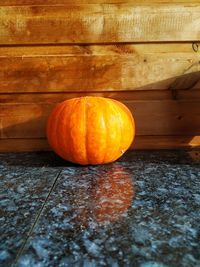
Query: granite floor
[[143, 210]]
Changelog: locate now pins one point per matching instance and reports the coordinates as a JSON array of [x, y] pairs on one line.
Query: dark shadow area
[[49, 159], [187, 81], [34, 159], [169, 156]]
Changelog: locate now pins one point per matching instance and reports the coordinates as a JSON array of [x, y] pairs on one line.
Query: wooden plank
[[152, 118], [166, 142], [99, 68], [69, 2], [141, 142], [99, 23], [23, 145]]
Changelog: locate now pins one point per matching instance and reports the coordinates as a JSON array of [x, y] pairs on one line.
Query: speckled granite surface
[[143, 210], [23, 190]]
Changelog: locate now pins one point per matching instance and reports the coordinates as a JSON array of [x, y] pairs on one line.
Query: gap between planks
[[56, 97]]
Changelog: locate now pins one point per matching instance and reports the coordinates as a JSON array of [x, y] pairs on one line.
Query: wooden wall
[[143, 53]]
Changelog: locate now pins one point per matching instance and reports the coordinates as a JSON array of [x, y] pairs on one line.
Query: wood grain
[[69, 2], [99, 68], [99, 23], [141, 142], [165, 142], [23, 145], [167, 117]]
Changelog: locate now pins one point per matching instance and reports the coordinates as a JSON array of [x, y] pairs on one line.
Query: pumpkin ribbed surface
[[90, 130]]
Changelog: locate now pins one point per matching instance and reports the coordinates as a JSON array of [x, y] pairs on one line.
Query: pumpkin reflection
[[113, 194], [103, 198]]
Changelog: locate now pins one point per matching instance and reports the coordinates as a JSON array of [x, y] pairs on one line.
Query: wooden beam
[[23, 145], [99, 68], [167, 117], [70, 2], [99, 23], [166, 142], [141, 142]]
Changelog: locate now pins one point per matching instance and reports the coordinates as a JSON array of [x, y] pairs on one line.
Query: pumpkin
[[90, 130]]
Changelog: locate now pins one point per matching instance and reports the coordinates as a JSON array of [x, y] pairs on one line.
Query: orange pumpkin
[[90, 130]]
